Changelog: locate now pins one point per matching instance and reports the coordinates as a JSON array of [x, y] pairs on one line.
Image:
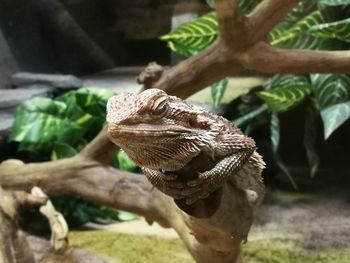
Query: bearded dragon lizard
[[167, 137]]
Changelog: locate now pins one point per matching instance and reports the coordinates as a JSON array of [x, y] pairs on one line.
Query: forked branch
[[241, 46]]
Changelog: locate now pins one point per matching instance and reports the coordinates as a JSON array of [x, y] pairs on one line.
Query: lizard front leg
[[165, 182], [235, 149]]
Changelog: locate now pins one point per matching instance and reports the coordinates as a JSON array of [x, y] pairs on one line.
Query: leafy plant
[[318, 25], [60, 127], [192, 37]]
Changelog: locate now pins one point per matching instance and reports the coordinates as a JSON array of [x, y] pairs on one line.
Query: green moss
[[131, 248], [286, 250], [262, 248]]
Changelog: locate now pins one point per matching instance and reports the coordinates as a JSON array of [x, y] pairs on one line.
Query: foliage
[[125, 163], [218, 90], [192, 37], [285, 92], [60, 127], [334, 116], [312, 24], [78, 211]]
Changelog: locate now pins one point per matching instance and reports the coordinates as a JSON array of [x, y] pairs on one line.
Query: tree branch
[[132, 192], [265, 58], [266, 15], [14, 246], [100, 149], [199, 71], [230, 20]]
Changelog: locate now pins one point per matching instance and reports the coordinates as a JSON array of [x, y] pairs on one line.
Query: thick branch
[[266, 15], [268, 59], [199, 71], [14, 247], [132, 192], [230, 20], [100, 149]]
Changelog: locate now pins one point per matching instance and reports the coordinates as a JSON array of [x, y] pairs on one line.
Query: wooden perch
[[240, 46], [59, 250], [58, 225], [14, 247]]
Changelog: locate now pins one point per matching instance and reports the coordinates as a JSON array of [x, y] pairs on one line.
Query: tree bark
[[14, 247]]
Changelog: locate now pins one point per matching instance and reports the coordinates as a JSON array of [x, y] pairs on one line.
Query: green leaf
[[330, 89], [275, 132], [191, 37], [81, 215], [335, 2], [211, 3], [295, 35], [71, 119], [126, 216], [285, 92], [218, 90], [239, 122], [86, 100], [275, 141], [44, 105], [87, 108], [247, 6], [334, 116], [279, 81], [310, 139], [62, 150], [40, 120], [301, 10], [125, 163], [338, 30]]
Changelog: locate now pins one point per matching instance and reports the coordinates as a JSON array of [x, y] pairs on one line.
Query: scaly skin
[[163, 134]]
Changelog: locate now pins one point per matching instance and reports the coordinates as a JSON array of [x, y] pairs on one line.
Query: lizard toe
[[195, 182], [169, 177], [191, 200], [177, 185], [191, 190]]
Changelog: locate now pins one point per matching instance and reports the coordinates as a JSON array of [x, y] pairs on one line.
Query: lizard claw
[[190, 201], [195, 198], [202, 178], [191, 190], [177, 185], [169, 176], [194, 183]]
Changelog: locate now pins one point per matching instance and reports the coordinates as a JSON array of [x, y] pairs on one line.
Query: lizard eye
[[161, 108]]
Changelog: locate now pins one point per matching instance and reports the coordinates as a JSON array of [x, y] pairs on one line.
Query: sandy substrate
[[321, 220]]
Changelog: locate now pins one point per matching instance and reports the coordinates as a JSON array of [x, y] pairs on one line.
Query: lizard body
[[165, 136]]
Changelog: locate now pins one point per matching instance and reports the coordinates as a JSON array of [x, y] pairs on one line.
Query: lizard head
[[156, 130], [128, 109]]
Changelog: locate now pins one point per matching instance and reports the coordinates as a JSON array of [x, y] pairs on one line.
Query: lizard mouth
[[151, 130]]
